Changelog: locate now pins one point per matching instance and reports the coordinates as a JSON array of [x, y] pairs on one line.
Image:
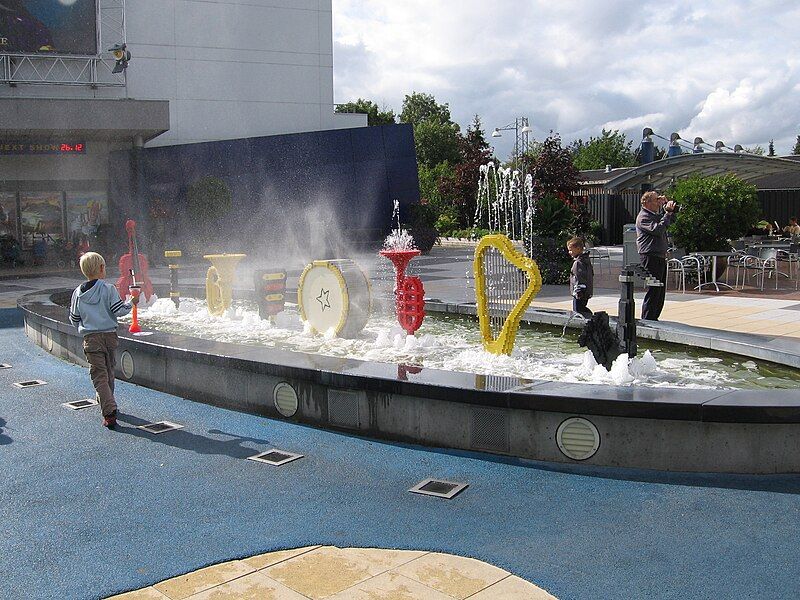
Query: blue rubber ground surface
[[87, 512]]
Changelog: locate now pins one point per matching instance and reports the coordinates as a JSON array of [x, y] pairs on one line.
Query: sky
[[720, 69]]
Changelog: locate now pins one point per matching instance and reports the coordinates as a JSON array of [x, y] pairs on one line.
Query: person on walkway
[[651, 243], [581, 277], [792, 228], [94, 309]]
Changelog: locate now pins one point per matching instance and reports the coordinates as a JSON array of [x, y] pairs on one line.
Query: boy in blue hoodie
[[94, 309]]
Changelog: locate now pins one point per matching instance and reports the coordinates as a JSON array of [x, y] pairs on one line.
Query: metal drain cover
[[30, 383], [79, 404], [275, 457], [439, 488], [160, 427], [4, 366]]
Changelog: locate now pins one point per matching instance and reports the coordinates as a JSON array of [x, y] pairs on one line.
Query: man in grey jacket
[[651, 243]]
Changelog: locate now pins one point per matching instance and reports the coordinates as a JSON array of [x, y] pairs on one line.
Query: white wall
[[235, 68], [229, 68]]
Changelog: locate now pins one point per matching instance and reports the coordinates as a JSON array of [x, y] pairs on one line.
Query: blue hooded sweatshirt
[[95, 307]]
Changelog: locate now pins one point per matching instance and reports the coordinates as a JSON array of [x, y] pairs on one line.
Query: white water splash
[[449, 345], [398, 239]]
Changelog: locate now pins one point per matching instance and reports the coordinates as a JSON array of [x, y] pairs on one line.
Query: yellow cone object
[[506, 282], [219, 281]]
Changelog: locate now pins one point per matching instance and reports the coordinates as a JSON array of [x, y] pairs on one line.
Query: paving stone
[[187, 585], [452, 575], [263, 561], [390, 586], [513, 588], [255, 586], [321, 572], [380, 560]]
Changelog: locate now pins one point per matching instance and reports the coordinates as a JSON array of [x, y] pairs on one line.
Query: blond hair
[[91, 265], [576, 242], [647, 196]]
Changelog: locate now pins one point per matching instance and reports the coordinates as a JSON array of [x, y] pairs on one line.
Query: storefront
[[54, 172]]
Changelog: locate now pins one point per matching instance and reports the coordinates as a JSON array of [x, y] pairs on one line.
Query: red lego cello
[[133, 267]]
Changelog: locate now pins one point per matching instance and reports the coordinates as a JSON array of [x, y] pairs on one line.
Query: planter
[[424, 238]]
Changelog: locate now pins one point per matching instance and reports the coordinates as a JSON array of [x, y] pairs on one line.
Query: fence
[[613, 210]]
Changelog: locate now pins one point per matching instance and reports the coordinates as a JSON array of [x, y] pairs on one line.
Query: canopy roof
[[661, 173]]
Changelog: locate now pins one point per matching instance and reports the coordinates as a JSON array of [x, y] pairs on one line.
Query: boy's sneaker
[[110, 421]]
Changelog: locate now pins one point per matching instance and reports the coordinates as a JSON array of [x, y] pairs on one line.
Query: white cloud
[[725, 70]]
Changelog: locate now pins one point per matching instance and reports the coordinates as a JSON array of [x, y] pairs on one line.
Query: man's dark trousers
[[654, 297]]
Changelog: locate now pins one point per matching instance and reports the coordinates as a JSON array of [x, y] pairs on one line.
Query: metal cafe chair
[[598, 254]]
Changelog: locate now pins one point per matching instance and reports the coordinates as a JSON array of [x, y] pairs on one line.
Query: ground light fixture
[[121, 55]]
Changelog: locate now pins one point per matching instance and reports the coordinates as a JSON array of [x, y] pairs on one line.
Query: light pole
[[522, 131]]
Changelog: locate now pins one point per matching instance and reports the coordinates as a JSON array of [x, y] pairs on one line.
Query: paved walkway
[[317, 572]]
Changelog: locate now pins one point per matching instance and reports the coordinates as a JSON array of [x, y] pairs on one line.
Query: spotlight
[[122, 56]]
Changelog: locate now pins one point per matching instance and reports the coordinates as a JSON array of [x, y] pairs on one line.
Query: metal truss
[[93, 71]]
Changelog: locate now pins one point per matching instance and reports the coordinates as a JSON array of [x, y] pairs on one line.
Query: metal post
[[626, 316], [174, 294]]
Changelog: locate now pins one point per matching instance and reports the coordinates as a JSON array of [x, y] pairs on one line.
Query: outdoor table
[[714, 281]]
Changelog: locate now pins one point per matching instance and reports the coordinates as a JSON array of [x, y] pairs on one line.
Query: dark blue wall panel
[[287, 190]]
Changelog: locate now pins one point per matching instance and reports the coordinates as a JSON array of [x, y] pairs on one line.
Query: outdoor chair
[[735, 261], [598, 254], [685, 266], [675, 267], [763, 266]]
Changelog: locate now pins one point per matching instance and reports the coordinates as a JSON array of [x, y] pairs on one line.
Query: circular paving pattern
[[347, 573]]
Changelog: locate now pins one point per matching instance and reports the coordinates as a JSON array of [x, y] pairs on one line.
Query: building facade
[[198, 72]]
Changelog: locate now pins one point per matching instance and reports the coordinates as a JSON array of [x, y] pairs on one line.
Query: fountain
[[219, 281], [543, 399], [409, 291], [506, 203]]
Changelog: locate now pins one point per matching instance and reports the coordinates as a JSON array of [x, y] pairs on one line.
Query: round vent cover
[[578, 438], [285, 399], [126, 362]]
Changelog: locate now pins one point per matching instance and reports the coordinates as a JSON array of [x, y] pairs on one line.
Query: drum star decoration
[[334, 297]]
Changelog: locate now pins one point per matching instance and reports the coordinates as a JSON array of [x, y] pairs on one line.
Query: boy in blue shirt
[[94, 309]]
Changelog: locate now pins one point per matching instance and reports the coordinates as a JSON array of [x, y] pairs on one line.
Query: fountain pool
[[453, 343]]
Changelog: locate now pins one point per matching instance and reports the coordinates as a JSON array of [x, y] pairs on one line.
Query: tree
[[461, 190], [755, 150], [419, 107], [436, 142], [713, 211], [771, 148], [611, 148], [553, 170], [375, 116], [796, 149]]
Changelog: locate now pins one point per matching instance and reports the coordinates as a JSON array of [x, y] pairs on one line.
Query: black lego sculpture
[[597, 334]]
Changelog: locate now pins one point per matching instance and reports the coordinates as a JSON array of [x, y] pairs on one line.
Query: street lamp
[[522, 130]]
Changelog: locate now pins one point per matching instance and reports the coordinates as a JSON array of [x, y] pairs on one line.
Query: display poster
[[85, 212], [48, 27], [41, 216], [8, 214]]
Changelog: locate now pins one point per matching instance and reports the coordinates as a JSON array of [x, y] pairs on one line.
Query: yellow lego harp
[[506, 282]]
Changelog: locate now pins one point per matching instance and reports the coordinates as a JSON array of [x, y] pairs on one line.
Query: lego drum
[[334, 295]]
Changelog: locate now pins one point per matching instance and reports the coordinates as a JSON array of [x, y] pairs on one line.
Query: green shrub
[[713, 211]]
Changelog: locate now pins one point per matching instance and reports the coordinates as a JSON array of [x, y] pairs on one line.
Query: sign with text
[[48, 27], [29, 148]]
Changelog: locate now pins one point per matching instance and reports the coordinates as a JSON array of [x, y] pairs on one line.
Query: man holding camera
[[651, 243]]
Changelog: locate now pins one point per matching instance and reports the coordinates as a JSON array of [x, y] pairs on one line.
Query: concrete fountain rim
[[722, 406]]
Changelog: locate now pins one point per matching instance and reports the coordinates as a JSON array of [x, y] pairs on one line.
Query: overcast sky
[[721, 69]]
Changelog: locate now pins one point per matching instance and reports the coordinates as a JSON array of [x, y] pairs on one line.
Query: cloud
[[723, 70]]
